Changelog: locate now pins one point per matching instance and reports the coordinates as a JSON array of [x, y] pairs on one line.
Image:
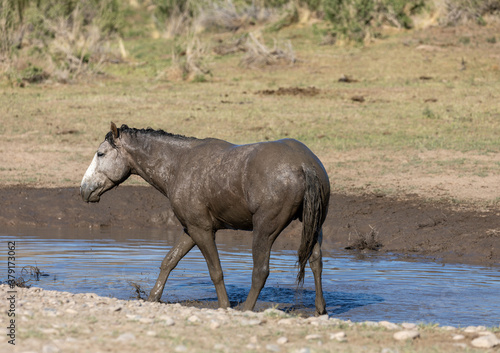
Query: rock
[[146, 320], [313, 337], [180, 348], [406, 334], [167, 320], [470, 329], [388, 350], [151, 333], [275, 313], [132, 317], [253, 322], [458, 337], [408, 326], [272, 348], [303, 350], [50, 348], [339, 336], [287, 321], [388, 325], [125, 337], [214, 324], [488, 341], [448, 328], [282, 340], [194, 319], [71, 311]]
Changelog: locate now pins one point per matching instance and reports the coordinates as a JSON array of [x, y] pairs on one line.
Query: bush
[[356, 20], [463, 11], [66, 38]]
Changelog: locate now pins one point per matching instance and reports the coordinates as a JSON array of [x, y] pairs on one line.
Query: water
[[372, 287]]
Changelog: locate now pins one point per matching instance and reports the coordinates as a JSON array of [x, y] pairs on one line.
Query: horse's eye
[[100, 154]]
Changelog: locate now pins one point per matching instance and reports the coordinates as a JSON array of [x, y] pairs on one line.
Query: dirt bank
[[407, 226]]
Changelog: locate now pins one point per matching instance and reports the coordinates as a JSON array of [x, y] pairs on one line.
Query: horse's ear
[[114, 130]]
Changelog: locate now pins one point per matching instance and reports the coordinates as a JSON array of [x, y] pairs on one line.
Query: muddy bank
[[408, 227]]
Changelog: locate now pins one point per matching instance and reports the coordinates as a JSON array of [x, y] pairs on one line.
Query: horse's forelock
[[111, 140]]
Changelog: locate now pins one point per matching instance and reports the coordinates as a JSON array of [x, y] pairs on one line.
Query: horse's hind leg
[[181, 248], [316, 263], [263, 240]]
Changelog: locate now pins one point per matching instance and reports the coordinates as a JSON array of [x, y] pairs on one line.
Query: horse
[[213, 184]]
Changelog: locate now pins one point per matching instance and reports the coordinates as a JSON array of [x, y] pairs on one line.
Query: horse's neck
[[156, 161]]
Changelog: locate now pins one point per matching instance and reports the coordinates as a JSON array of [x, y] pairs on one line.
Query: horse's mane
[[148, 131]]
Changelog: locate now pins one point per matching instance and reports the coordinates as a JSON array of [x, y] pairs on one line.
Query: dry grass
[[189, 64], [257, 54], [459, 12], [364, 241]]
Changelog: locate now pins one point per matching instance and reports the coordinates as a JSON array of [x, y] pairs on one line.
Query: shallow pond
[[371, 287]]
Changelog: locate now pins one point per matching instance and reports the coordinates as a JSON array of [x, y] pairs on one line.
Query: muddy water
[[367, 287]]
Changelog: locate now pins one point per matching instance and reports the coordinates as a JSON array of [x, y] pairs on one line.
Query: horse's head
[[109, 168]]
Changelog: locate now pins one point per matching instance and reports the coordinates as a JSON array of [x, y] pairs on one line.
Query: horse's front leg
[[205, 240], [181, 248]]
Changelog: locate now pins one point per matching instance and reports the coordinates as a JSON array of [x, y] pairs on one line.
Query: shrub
[[356, 20], [463, 11], [63, 38]]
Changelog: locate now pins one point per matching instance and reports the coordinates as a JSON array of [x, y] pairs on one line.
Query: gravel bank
[[51, 321]]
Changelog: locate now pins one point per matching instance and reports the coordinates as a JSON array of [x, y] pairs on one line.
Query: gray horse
[[213, 184]]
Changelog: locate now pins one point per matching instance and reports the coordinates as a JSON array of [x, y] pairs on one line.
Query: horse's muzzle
[[89, 194]]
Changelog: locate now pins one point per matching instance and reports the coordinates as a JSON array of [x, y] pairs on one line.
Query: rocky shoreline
[[51, 321]]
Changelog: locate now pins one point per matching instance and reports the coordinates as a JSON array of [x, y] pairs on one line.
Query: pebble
[[339, 336], [287, 321], [408, 326], [458, 337], [406, 334], [488, 341], [449, 328], [313, 337], [273, 348], [180, 348], [167, 320], [71, 311], [214, 324], [125, 337], [473, 329], [194, 319], [275, 313], [146, 320], [303, 350], [151, 333], [50, 348], [253, 322], [282, 340], [388, 325]]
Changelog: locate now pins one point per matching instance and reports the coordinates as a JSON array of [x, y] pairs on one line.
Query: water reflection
[[370, 288]]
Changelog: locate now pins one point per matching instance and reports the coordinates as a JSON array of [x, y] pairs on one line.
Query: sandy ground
[[51, 321]]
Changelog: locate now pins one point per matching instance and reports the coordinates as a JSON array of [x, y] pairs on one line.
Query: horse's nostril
[[85, 192]]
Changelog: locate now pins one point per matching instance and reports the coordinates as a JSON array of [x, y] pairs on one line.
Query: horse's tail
[[312, 218]]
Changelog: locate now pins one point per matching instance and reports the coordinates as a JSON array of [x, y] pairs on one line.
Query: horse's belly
[[233, 218]]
